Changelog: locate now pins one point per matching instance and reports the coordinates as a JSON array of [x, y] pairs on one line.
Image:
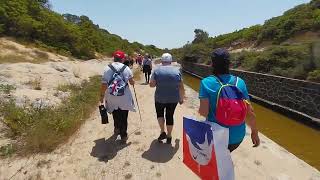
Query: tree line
[[34, 21]]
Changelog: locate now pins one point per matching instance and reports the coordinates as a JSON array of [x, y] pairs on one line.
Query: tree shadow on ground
[[161, 153], [106, 149]]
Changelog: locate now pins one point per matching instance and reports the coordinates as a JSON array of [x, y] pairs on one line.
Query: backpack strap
[[123, 68], [118, 72], [219, 80], [235, 81], [113, 69]]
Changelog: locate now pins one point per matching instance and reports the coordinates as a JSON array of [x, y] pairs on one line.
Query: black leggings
[[147, 72], [233, 147], [169, 108], [120, 118]]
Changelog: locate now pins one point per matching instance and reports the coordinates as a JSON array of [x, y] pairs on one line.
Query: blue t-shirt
[[209, 88], [167, 80]]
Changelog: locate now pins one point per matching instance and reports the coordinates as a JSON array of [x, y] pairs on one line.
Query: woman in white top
[[119, 106]]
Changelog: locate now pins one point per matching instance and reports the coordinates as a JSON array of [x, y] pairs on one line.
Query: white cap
[[166, 57]]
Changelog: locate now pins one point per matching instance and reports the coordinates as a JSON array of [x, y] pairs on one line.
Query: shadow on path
[[106, 149], [161, 153]]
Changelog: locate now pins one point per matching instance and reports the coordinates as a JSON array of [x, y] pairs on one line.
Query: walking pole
[[135, 94]]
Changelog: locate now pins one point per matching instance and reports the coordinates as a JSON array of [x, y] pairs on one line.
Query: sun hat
[[166, 57], [119, 54]]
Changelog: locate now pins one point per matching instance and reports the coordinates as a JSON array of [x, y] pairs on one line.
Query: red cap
[[119, 54]]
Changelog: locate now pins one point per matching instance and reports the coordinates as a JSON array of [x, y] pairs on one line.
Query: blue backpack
[[117, 83], [231, 105]]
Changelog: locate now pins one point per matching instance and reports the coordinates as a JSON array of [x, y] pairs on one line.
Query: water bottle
[[104, 114]]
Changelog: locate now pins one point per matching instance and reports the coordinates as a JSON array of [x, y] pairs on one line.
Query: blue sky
[[170, 23]]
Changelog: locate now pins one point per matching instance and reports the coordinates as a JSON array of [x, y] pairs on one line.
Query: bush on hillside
[[289, 61], [314, 76]]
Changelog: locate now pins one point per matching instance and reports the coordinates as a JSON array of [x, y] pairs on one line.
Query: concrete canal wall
[[295, 98]]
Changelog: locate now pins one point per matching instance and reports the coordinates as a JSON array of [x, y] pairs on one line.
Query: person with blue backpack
[[224, 100], [116, 95]]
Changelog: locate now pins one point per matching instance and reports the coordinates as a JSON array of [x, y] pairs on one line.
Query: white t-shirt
[[124, 102]]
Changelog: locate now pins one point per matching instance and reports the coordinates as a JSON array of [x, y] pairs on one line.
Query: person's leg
[[146, 76], [149, 73], [170, 108], [123, 123], [115, 115], [233, 147], [160, 117]]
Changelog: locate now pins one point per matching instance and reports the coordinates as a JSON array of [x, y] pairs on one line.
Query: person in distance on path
[[147, 67]]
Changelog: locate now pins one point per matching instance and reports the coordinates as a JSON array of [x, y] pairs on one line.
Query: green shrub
[[314, 76], [6, 88], [7, 150]]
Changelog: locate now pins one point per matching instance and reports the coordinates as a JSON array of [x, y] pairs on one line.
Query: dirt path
[[93, 154]]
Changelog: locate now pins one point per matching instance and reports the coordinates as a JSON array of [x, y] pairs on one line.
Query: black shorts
[[166, 110], [147, 69], [233, 147]]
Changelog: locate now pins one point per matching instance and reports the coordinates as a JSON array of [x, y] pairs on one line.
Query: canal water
[[300, 140]]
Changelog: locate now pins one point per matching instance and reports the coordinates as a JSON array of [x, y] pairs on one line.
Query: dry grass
[[76, 72], [35, 83], [18, 58], [137, 74], [128, 176], [12, 58], [8, 46], [42, 130], [41, 55]]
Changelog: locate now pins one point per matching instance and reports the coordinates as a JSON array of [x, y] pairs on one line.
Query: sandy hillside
[[93, 153], [11, 51]]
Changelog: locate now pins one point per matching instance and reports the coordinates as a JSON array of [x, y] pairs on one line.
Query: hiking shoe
[[162, 136], [124, 139], [169, 139]]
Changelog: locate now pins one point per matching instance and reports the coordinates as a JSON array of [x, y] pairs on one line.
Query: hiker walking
[[116, 93], [147, 67], [169, 92], [224, 100], [126, 60], [139, 60]]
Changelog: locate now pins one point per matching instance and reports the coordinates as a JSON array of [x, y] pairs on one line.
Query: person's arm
[[204, 100], [250, 116], [153, 83], [181, 92], [251, 121], [204, 107], [130, 76], [131, 81], [102, 92]]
